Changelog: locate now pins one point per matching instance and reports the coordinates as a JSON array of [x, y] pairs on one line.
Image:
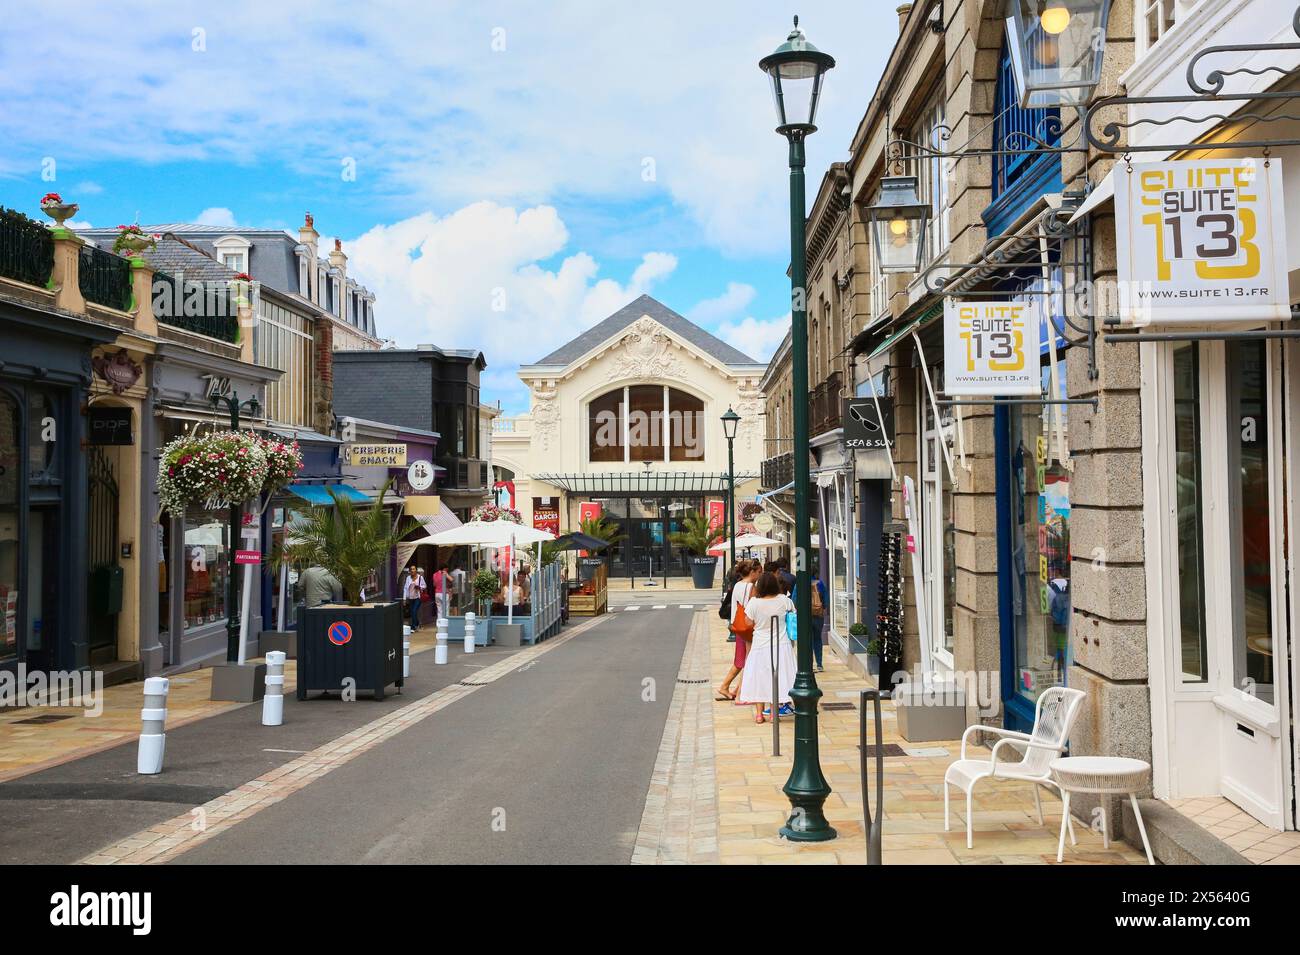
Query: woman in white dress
[[767, 608]]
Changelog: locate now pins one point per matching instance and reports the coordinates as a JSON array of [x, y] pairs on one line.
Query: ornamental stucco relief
[[645, 352]]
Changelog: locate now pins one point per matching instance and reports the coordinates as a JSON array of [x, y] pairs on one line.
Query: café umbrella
[[496, 534]]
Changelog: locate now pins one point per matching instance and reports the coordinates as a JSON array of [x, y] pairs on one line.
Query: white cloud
[[216, 215], [713, 310], [529, 122], [473, 279], [756, 338]]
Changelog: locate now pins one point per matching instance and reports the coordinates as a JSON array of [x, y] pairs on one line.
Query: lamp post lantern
[[729, 422], [898, 220], [796, 69], [1056, 49], [233, 406]]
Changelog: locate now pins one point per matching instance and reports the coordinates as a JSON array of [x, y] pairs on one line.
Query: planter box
[[703, 570], [283, 640], [337, 642], [930, 711], [482, 630], [508, 634]]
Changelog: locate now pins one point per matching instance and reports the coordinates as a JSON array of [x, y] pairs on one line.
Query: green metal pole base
[[806, 788]]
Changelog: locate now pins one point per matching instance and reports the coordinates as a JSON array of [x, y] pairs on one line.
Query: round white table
[[1104, 775]]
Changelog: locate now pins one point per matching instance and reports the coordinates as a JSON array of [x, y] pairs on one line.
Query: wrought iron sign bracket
[[1108, 137]]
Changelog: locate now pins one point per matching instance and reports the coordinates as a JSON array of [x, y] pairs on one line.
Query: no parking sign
[[340, 632]]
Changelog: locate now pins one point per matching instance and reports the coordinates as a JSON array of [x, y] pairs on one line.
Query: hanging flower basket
[[215, 469], [283, 462], [131, 238], [492, 512]]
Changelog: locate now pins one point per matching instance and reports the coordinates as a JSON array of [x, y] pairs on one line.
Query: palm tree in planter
[[696, 537], [355, 640]]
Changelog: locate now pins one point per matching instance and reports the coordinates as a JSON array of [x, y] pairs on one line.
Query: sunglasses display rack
[[889, 619]]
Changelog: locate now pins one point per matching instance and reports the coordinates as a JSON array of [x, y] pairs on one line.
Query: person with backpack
[[746, 573], [818, 614]]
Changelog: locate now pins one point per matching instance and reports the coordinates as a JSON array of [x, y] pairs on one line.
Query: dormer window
[[232, 252], [304, 280]]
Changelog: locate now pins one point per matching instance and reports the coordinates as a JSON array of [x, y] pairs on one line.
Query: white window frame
[[233, 245]]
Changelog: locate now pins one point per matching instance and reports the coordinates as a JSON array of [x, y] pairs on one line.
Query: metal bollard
[[873, 826], [440, 650], [153, 719], [273, 700], [469, 632]]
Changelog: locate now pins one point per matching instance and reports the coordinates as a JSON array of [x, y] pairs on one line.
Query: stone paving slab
[[751, 805]]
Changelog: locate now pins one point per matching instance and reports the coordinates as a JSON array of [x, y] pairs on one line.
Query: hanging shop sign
[[987, 348], [420, 475], [763, 522], [864, 428], [107, 425], [118, 370], [376, 455], [1201, 240], [546, 514]]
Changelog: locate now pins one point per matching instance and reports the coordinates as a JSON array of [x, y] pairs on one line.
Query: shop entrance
[[104, 594], [1225, 579]]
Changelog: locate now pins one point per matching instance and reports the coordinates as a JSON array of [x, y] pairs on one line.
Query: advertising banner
[[988, 347], [717, 515], [546, 514], [1201, 240]]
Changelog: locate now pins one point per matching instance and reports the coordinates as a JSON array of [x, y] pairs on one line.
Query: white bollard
[[469, 632], [440, 651], [273, 700], [153, 720], [406, 656]]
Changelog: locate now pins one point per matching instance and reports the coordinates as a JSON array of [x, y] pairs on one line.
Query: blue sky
[[502, 175]]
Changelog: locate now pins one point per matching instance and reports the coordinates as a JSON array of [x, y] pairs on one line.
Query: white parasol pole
[[510, 587]]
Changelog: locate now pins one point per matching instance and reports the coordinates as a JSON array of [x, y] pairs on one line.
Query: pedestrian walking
[[818, 594], [767, 609], [442, 591], [413, 589], [746, 573], [783, 574]]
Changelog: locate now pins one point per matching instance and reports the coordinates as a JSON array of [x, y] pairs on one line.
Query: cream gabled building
[[626, 418]]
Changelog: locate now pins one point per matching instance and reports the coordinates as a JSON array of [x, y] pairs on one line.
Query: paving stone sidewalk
[[63, 733], [751, 805]]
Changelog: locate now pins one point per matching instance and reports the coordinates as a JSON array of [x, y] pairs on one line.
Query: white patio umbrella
[[745, 542], [496, 534]]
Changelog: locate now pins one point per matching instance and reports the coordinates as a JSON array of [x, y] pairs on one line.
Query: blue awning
[[319, 494]]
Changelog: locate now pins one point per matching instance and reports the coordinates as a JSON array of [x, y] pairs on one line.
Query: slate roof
[[175, 255], [645, 305]]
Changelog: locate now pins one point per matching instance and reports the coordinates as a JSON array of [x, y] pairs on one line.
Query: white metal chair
[[1053, 717]]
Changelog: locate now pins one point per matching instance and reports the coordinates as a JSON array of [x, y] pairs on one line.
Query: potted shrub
[[601, 528], [354, 640], [858, 638], [696, 538]]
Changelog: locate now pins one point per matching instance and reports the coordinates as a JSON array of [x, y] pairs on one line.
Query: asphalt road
[[63, 814], [546, 765]]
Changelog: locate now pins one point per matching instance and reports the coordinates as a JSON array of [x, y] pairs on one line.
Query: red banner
[[717, 515], [546, 514]]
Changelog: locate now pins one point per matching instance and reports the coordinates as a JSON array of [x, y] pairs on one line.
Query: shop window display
[[1040, 511], [206, 566]]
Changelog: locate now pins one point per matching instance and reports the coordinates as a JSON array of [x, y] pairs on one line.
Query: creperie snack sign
[[1201, 241]]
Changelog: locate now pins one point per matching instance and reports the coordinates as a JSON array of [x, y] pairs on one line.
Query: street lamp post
[[233, 405], [729, 422], [796, 69]]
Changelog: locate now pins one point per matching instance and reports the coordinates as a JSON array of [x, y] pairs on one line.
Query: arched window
[[645, 423]]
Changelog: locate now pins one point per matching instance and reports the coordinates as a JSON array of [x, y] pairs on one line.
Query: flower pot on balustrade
[[703, 570], [342, 647]]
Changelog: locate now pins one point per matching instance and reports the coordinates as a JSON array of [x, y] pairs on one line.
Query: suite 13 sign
[[1201, 240], [986, 348]]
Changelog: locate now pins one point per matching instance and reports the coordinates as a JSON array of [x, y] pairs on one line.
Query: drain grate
[[472, 683], [889, 749], [837, 706], [691, 682], [45, 718]]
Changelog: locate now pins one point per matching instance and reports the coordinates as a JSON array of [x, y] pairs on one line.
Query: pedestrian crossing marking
[[633, 607], [686, 606], [659, 607]]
